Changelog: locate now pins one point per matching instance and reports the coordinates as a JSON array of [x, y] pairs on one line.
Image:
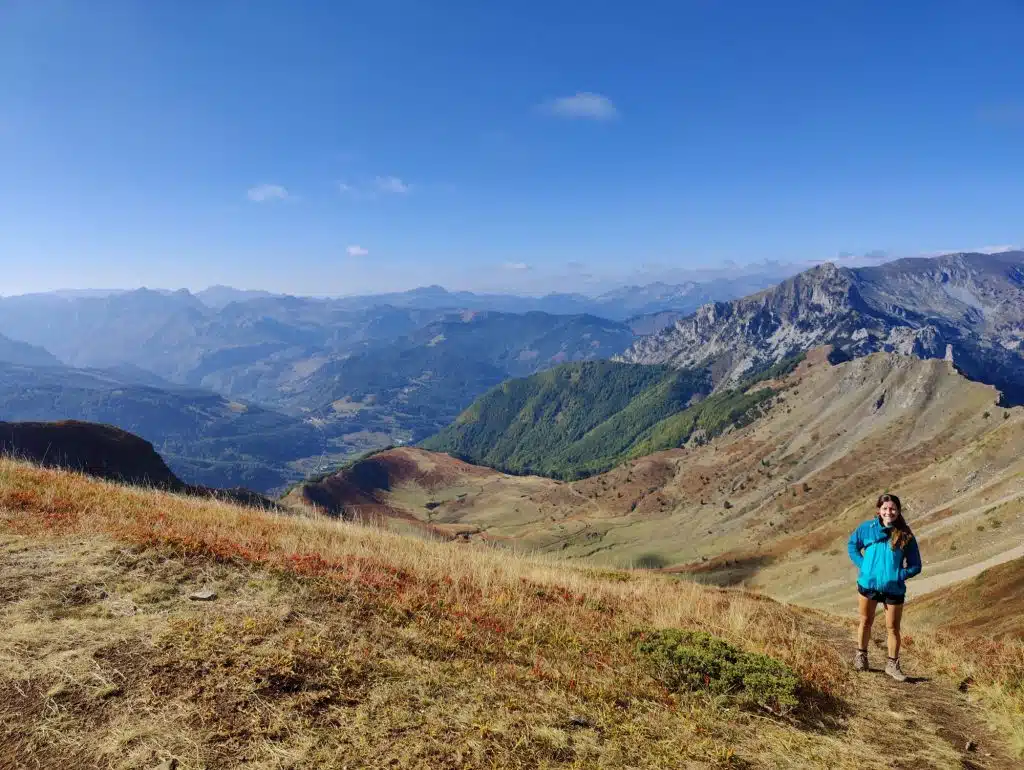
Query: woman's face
[[888, 513]]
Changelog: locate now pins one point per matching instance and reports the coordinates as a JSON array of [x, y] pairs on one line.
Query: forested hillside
[[580, 419]]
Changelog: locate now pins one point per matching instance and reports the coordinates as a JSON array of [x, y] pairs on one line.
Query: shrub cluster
[[696, 660]]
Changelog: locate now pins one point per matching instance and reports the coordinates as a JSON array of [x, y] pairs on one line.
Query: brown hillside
[[365, 490], [331, 645], [97, 450], [106, 452], [770, 506], [991, 603]]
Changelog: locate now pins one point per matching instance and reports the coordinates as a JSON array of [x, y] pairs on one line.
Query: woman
[[886, 552]]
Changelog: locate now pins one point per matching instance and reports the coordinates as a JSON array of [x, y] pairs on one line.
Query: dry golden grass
[[335, 645], [768, 507]]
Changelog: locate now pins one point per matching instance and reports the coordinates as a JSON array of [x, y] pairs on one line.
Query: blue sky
[[334, 148]]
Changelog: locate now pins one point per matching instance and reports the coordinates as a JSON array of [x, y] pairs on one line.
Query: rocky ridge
[[968, 308]]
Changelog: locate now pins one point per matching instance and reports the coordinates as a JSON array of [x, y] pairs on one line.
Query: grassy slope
[[336, 645]]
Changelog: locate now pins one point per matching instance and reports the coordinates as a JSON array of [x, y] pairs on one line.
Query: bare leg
[[866, 608], [893, 616]]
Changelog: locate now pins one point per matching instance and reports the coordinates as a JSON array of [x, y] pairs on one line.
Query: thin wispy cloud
[[875, 255], [583, 105], [356, 192], [391, 184], [517, 266], [380, 186], [356, 251], [262, 193]]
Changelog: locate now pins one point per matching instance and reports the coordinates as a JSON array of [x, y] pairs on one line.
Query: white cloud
[[262, 193], [356, 251], [516, 266], [391, 184], [996, 249], [583, 105], [869, 257]]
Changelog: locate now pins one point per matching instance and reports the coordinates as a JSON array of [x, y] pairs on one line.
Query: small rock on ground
[[203, 596]]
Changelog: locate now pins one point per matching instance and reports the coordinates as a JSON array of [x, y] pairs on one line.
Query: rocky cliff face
[[967, 307]]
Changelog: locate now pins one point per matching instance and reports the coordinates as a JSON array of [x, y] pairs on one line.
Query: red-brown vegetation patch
[[624, 489], [363, 488], [557, 496], [934, 516], [991, 603], [429, 470]]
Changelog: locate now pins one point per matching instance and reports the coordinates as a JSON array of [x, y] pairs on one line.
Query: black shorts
[[880, 596]]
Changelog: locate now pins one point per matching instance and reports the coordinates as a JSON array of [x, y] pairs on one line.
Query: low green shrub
[[650, 561], [696, 660]]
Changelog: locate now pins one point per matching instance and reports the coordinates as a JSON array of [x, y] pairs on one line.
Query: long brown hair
[[901, 534]]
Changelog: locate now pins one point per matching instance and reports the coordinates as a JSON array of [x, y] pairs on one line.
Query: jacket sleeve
[[913, 555], [855, 546]]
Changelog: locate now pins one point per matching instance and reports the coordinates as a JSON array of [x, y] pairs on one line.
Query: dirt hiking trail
[[923, 705]]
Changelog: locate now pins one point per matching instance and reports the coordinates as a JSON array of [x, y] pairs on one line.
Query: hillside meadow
[[331, 644]]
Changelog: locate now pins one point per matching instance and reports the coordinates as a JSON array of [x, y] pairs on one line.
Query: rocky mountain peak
[[966, 306]]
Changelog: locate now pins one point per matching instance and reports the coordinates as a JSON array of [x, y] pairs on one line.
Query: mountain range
[[247, 387], [262, 392], [16, 352], [205, 438], [967, 307], [619, 304], [259, 347]]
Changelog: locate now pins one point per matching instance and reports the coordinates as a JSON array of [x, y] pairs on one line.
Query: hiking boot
[[892, 668], [860, 661]]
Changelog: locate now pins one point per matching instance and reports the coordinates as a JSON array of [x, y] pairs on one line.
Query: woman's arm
[[913, 556], [855, 546]]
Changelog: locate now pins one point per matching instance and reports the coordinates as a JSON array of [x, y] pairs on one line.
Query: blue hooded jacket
[[881, 567]]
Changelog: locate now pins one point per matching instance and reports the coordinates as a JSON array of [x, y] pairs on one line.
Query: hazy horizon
[[639, 279], [585, 286]]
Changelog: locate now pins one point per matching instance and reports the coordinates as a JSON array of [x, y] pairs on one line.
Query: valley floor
[[336, 645]]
